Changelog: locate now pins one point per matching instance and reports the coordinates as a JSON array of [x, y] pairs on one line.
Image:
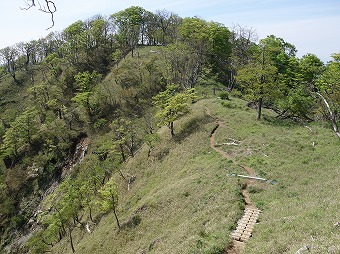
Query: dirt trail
[[249, 218]]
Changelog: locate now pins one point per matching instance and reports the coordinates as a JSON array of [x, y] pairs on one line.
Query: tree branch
[[332, 114], [48, 7]]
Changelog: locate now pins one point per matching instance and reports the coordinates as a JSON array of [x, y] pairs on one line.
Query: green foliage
[[311, 68], [66, 91], [257, 79], [151, 140], [85, 81], [129, 23], [109, 196], [211, 43], [36, 245], [21, 135], [224, 95], [329, 90], [172, 104], [125, 138]]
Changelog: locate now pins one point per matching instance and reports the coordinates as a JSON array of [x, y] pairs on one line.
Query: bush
[[224, 95]]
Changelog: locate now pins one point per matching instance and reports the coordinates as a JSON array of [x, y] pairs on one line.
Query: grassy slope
[[304, 206], [184, 201], [187, 205]]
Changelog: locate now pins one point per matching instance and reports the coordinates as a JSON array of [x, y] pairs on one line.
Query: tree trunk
[[132, 146], [259, 109], [114, 211], [332, 115], [71, 240], [172, 129], [90, 213], [122, 152]]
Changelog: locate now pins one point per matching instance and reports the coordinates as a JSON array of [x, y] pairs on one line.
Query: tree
[[130, 23], [124, 136], [243, 41], [311, 68], [297, 86], [9, 57], [85, 83], [183, 67], [257, 78], [328, 89], [172, 104], [167, 24], [109, 198], [20, 136], [209, 44]]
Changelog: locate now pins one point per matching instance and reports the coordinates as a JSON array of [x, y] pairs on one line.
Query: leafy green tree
[[295, 99], [125, 136], [85, 83], [209, 44], [182, 67], [130, 24], [109, 198], [68, 207], [151, 139], [257, 78], [20, 136], [243, 42], [311, 68], [220, 50], [172, 104], [74, 41], [98, 44], [297, 85]]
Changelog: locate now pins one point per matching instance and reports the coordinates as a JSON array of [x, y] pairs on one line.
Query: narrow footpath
[[246, 224]]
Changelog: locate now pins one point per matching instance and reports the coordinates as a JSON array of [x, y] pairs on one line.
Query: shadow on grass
[[192, 126], [274, 121], [133, 222]]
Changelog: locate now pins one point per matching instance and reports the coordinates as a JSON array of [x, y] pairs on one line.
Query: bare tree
[[47, 6]]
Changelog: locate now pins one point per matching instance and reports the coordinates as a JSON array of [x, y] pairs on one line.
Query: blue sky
[[312, 26]]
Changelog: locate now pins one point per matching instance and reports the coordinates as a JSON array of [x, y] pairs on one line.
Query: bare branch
[[48, 7]]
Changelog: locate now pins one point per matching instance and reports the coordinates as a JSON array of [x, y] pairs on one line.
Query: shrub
[[224, 95]]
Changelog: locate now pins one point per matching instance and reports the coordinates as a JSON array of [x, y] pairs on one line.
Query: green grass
[[304, 206], [182, 201]]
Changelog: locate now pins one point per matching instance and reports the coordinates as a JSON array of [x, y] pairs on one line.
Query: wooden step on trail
[[246, 224]]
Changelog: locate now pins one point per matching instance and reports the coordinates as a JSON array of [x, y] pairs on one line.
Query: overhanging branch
[[48, 7], [332, 114]]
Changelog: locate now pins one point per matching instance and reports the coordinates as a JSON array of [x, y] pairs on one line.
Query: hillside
[[182, 200], [150, 133]]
